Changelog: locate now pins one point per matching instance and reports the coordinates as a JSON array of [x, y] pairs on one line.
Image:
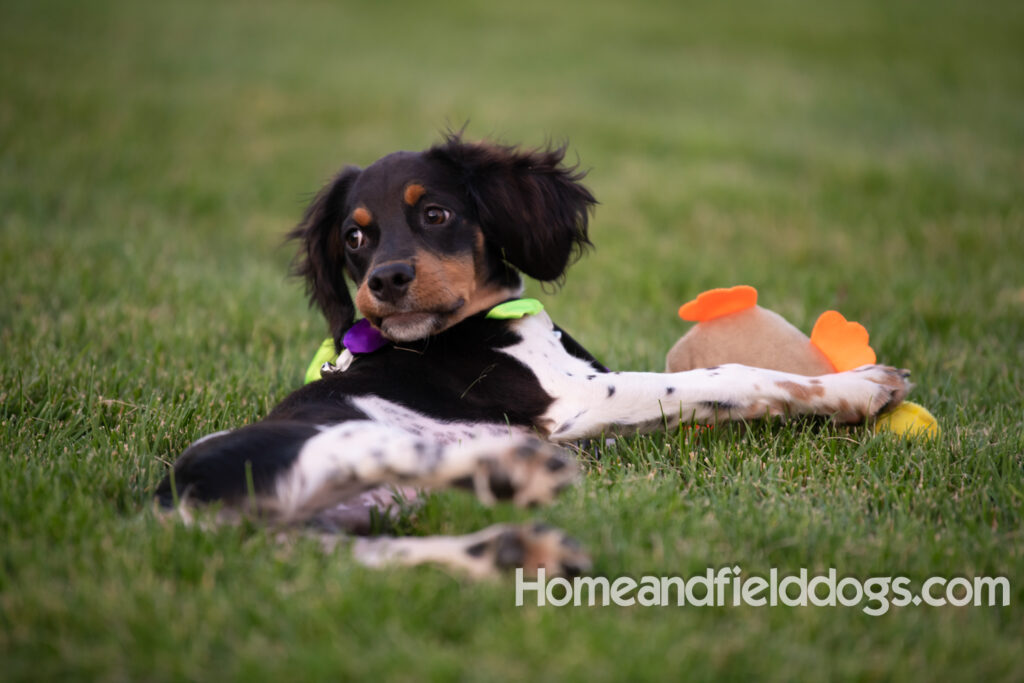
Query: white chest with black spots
[[586, 401]]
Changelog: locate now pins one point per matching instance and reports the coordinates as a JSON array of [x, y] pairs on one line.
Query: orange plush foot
[[843, 342]]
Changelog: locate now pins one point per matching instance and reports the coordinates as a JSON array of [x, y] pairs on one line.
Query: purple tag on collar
[[363, 338]]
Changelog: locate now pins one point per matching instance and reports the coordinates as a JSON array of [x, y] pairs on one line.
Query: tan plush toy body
[[732, 328]]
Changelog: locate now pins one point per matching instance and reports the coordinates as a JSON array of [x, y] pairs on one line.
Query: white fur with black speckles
[[588, 404]]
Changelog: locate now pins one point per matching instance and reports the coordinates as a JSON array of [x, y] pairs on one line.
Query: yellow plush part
[[909, 420]]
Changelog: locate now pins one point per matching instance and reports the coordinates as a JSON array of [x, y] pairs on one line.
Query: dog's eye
[[354, 239], [435, 215]]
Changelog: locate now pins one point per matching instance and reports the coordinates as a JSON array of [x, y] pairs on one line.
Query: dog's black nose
[[391, 281]]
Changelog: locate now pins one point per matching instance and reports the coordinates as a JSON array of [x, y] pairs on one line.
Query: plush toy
[[732, 328]]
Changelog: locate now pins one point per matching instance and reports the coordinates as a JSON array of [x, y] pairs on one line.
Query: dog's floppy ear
[[321, 257], [530, 206]]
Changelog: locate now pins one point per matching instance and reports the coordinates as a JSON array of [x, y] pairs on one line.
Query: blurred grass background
[[864, 156]]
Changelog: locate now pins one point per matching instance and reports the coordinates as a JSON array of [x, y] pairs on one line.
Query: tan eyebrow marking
[[362, 216], [413, 193]]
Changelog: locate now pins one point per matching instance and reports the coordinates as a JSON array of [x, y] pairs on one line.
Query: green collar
[[510, 310], [515, 309]]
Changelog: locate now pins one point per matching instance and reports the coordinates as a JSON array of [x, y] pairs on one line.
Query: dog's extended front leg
[[588, 403], [501, 547], [629, 402]]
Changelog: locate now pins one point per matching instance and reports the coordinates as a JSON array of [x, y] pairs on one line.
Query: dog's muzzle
[[390, 282]]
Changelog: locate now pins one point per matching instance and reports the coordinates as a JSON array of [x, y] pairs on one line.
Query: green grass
[[865, 156]]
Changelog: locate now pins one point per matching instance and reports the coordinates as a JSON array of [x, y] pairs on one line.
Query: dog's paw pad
[[886, 387], [530, 547], [530, 473], [893, 387], [525, 471]]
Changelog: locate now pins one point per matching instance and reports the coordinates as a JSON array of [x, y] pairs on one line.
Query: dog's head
[[430, 238]]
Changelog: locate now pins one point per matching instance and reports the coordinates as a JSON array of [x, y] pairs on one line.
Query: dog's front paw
[[526, 471], [877, 389]]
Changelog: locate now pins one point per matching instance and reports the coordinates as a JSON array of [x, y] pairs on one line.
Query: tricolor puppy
[[451, 391]]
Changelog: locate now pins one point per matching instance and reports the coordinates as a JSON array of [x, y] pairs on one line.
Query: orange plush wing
[[843, 342], [715, 303]]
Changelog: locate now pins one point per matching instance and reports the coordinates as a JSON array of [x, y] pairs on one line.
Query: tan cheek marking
[[461, 272], [439, 282], [413, 193], [479, 256], [362, 216], [365, 301]]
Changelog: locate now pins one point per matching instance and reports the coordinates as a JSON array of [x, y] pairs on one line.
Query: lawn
[[862, 156]]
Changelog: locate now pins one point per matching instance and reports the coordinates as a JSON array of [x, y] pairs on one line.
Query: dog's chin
[[405, 327]]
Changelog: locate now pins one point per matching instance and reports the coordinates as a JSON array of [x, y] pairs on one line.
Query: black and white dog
[[447, 394]]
